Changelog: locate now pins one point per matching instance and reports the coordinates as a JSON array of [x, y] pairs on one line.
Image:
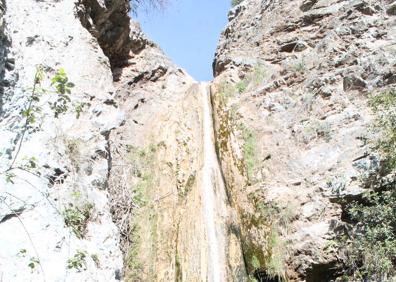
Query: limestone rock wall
[[156, 160], [109, 187], [291, 89], [60, 172]]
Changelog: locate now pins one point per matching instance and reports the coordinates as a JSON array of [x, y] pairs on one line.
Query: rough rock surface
[[71, 163], [111, 189], [155, 181], [300, 73], [151, 166]]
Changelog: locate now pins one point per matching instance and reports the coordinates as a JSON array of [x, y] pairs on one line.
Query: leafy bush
[[58, 102], [63, 88], [252, 79], [77, 261], [279, 219], [384, 106], [267, 262], [370, 245], [77, 218], [133, 264]]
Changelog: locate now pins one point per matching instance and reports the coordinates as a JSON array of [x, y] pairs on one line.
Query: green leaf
[[9, 177]]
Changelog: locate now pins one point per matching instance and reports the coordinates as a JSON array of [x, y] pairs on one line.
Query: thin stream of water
[[212, 199]]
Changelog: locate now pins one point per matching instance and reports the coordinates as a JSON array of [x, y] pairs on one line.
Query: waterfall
[[214, 197]]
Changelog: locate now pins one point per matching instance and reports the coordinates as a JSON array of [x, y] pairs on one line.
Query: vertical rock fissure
[[6, 64], [213, 196], [109, 23]]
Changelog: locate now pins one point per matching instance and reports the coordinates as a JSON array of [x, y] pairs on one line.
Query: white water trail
[[213, 196]]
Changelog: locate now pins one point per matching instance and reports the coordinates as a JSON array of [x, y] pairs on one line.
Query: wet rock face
[[111, 188], [300, 73]]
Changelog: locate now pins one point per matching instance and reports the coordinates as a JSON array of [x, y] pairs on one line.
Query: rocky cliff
[[295, 130], [115, 166], [55, 210]]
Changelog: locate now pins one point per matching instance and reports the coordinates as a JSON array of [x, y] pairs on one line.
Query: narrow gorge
[[116, 165]]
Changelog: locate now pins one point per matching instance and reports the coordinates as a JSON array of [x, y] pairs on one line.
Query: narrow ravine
[[214, 197]]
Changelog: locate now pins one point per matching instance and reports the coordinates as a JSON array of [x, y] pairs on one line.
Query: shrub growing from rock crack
[[249, 150], [384, 106], [370, 245], [77, 261], [59, 102], [77, 218]]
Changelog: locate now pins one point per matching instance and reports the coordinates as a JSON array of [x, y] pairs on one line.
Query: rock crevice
[[109, 23]]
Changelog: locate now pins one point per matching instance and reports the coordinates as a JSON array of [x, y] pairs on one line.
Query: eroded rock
[[314, 124]]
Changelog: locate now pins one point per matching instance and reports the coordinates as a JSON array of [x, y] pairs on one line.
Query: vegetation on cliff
[[235, 2], [370, 246]]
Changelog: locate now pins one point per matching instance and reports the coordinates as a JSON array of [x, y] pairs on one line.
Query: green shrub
[[268, 256], [33, 262], [58, 99], [370, 245], [63, 89], [252, 79], [9, 177], [77, 261], [143, 160], [249, 150], [241, 86], [236, 2], [134, 265], [145, 215], [226, 92], [384, 106], [77, 218], [276, 262], [279, 220]]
